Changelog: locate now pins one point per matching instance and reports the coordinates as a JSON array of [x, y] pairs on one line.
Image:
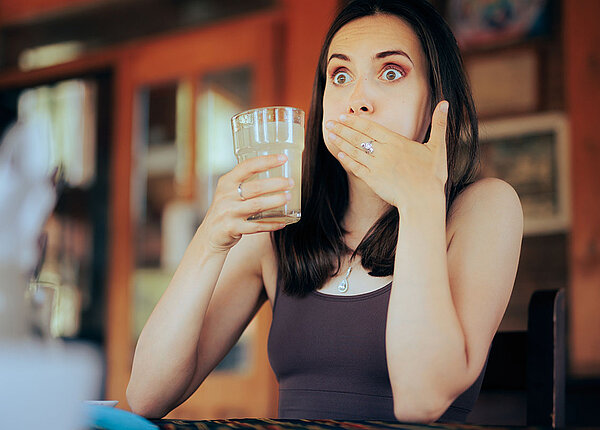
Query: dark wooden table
[[275, 424]]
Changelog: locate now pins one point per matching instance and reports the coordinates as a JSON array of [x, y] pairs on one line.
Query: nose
[[359, 101]]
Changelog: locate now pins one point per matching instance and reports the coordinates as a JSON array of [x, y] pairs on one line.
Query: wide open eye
[[341, 77], [391, 74]]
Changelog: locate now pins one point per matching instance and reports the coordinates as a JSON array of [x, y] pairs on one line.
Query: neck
[[364, 208]]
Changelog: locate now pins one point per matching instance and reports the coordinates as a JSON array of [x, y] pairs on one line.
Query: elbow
[[142, 406], [423, 409]]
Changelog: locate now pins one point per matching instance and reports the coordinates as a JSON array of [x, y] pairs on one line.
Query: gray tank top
[[328, 354]]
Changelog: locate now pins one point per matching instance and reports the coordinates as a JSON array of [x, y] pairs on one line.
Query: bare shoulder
[[487, 203]]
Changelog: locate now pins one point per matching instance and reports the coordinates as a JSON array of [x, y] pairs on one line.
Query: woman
[[413, 261]]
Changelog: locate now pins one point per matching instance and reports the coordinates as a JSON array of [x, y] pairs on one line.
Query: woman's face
[[376, 69]]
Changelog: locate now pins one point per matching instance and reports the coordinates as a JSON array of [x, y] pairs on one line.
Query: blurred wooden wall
[[18, 11], [582, 62]]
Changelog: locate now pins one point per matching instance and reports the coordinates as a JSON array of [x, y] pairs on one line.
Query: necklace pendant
[[343, 287]]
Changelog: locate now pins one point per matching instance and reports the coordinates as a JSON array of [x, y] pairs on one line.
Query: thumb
[[438, 124]]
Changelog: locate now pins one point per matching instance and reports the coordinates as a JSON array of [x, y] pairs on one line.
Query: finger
[[254, 165], [349, 134], [262, 203], [357, 169], [369, 128], [357, 154], [260, 187], [438, 124]]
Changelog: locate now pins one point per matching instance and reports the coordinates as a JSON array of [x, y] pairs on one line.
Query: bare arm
[[213, 295], [446, 304]]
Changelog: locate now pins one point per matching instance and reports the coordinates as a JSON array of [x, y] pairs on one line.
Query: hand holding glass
[[267, 131]]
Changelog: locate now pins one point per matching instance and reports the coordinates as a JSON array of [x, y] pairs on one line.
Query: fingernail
[[288, 196], [291, 182], [343, 117], [329, 125], [332, 136], [341, 155], [281, 157], [444, 107]]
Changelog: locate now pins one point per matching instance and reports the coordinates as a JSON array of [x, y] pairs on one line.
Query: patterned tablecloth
[[273, 424]]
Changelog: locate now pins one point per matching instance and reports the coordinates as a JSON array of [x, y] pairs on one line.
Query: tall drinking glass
[[42, 298], [273, 130]]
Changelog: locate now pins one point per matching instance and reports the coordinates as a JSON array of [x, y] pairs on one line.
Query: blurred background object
[[43, 382], [26, 192], [26, 199], [139, 93], [44, 385]]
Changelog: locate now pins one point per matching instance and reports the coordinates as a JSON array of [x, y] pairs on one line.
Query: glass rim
[[249, 111]]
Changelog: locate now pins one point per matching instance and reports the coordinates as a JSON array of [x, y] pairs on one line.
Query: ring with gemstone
[[240, 191], [368, 146]]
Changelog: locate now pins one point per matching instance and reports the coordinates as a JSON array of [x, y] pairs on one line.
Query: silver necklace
[[343, 286]]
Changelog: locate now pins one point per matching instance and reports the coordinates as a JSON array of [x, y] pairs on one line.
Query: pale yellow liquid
[[275, 139]]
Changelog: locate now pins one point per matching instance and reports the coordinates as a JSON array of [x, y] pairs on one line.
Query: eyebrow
[[379, 55], [385, 54], [340, 56]]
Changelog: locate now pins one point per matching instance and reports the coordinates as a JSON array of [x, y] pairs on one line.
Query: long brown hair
[[310, 251]]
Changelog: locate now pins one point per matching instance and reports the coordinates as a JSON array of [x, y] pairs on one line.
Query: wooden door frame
[[185, 55]]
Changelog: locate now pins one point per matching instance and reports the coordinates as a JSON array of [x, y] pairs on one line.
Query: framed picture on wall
[[531, 153], [506, 83], [481, 24]]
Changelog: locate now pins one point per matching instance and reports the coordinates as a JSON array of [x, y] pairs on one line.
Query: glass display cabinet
[[185, 91]]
